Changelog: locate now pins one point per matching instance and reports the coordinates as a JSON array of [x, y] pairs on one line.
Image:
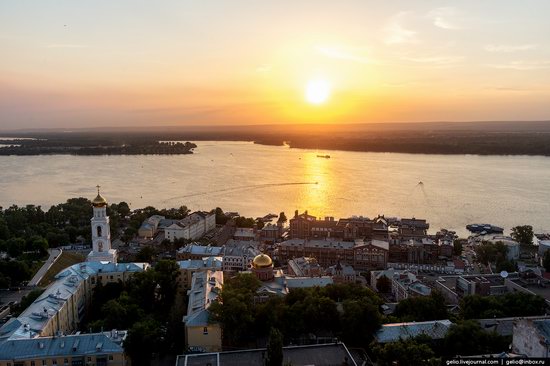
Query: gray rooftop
[[333, 354], [34, 318], [436, 329], [72, 345], [205, 288]]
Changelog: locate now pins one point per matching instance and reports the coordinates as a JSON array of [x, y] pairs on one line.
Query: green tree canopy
[[523, 234], [275, 348]]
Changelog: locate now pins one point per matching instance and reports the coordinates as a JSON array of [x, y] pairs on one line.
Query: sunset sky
[[74, 63]]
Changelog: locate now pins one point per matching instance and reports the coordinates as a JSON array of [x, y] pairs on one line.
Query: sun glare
[[317, 91]]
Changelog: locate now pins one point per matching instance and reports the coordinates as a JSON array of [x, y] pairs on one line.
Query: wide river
[[448, 190]]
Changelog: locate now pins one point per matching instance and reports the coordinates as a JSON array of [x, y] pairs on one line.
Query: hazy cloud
[[436, 60], [397, 33], [509, 48], [64, 45], [444, 18], [343, 53], [522, 65], [263, 68]]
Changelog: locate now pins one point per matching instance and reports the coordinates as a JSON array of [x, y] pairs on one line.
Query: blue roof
[[436, 329], [72, 345], [34, 319]]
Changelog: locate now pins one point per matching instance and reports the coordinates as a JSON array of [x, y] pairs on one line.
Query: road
[[54, 253]]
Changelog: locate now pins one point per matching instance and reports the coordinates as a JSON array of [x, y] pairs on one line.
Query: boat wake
[[233, 189]]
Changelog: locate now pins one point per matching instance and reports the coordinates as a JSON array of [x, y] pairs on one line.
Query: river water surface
[[448, 190]]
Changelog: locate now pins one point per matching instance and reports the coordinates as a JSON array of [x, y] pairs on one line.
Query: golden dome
[[262, 261], [99, 201]]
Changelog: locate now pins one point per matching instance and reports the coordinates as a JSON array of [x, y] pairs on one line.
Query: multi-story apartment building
[[238, 255], [62, 306], [100, 349], [305, 226], [201, 333], [361, 255], [196, 251], [304, 267], [191, 227], [190, 266]]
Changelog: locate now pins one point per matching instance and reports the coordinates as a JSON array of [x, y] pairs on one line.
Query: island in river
[[93, 145]]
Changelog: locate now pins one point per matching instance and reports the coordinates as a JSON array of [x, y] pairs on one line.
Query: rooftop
[[205, 288], [436, 329], [74, 345], [206, 262], [313, 355], [205, 250], [33, 319]]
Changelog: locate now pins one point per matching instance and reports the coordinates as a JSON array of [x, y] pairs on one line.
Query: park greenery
[[148, 306], [352, 313], [349, 312], [26, 233], [507, 305]]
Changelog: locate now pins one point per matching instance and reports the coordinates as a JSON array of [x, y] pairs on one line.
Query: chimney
[[296, 213]]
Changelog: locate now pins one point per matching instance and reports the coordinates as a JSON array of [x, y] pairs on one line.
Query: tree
[[422, 308], [166, 275], [142, 341], [468, 338], [361, 318], [275, 348], [383, 284], [457, 247], [546, 261], [145, 254], [40, 244], [509, 305], [402, 352], [488, 252], [242, 221], [15, 247], [221, 219], [4, 229], [505, 265], [523, 234]]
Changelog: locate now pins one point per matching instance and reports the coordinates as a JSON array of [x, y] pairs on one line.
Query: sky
[[97, 63]]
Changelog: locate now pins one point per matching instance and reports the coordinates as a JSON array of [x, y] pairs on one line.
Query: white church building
[[101, 233]]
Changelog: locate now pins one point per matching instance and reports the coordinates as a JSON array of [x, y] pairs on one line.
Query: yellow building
[[201, 333]]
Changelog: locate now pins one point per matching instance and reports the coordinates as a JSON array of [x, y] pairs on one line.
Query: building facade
[[191, 227], [201, 333]]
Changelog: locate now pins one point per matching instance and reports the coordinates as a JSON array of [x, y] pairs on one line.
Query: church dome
[[99, 201], [262, 261]]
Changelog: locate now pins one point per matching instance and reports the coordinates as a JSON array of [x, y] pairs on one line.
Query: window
[[54, 362], [89, 359], [110, 357], [32, 363], [99, 231], [205, 330], [44, 363], [65, 361]]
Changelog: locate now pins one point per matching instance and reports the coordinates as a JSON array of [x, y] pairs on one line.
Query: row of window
[[53, 362]]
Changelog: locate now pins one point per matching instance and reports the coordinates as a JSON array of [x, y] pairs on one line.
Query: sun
[[317, 91]]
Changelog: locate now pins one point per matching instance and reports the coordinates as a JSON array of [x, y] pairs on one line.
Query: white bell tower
[[101, 233]]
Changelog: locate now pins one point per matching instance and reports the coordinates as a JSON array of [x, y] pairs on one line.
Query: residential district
[[267, 291]]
